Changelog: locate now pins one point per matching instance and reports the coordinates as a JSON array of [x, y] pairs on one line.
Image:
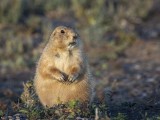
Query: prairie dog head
[[65, 38]]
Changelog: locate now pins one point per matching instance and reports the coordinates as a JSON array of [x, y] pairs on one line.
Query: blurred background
[[122, 41]]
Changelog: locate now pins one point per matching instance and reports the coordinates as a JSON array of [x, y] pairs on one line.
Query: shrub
[[11, 11]]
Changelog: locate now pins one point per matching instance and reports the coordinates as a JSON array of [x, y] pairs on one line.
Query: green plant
[[158, 118], [51, 5], [1, 113], [100, 17], [112, 13], [32, 108], [11, 11], [120, 116]]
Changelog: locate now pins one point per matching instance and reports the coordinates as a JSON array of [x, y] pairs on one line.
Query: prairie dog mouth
[[72, 44]]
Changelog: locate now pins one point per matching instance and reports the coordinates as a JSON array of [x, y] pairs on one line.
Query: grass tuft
[[32, 109]]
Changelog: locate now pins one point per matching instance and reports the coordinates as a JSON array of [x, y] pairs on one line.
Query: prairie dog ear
[[54, 32], [53, 35]]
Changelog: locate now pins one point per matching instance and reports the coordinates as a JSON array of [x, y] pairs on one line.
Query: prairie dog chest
[[65, 61]]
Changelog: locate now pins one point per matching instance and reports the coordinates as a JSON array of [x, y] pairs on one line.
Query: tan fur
[[62, 72]]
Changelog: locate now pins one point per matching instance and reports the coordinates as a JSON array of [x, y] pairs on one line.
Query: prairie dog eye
[[62, 31]]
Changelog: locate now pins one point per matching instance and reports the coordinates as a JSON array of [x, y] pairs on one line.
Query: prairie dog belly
[[54, 92]]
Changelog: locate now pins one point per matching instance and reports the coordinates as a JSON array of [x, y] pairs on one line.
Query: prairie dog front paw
[[60, 77], [72, 78]]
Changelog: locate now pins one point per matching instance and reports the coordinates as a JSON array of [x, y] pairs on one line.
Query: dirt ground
[[136, 76]]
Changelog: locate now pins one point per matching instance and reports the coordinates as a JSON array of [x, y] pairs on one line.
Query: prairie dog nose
[[75, 36]]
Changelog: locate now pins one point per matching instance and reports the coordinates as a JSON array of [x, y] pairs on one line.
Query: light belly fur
[[53, 92]]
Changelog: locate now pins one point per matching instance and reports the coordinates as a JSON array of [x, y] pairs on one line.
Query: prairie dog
[[62, 72]]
